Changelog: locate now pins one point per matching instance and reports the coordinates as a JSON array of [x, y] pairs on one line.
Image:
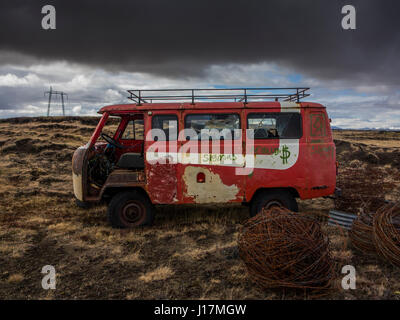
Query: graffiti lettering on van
[[213, 158], [318, 126], [276, 158], [285, 154], [266, 150], [324, 151]]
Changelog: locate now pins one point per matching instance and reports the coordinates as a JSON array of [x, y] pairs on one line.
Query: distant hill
[[56, 119], [365, 129]]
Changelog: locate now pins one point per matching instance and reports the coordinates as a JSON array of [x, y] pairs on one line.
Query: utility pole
[[60, 93]]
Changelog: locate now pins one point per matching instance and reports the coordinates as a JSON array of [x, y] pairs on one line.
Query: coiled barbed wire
[[361, 234], [386, 231], [281, 248]]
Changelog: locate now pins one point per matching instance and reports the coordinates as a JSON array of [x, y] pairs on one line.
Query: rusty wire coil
[[387, 233], [281, 248], [361, 234]]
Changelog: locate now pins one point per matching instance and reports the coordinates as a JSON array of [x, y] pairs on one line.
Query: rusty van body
[[254, 151]]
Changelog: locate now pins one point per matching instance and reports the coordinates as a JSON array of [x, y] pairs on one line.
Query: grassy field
[[190, 253]]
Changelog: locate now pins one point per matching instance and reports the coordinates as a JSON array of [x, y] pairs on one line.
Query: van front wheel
[[269, 199], [130, 209]]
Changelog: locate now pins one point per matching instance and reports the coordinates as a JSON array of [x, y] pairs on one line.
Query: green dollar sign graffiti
[[285, 154]]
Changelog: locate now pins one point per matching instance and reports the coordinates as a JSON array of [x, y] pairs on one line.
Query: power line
[[53, 92]]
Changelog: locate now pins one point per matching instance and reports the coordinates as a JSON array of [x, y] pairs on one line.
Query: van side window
[[283, 125], [129, 132], [138, 125], [134, 130], [219, 125], [167, 123]]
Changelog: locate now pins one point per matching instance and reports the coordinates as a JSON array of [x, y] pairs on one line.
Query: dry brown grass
[[381, 139], [190, 253], [161, 273], [15, 278]]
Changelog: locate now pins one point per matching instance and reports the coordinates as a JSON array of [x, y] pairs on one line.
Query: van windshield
[[110, 127]]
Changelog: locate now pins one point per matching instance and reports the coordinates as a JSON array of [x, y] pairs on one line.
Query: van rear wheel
[[269, 199], [130, 209]]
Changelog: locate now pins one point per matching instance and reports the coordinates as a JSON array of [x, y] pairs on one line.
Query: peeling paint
[[77, 183], [213, 190], [77, 169], [290, 106]]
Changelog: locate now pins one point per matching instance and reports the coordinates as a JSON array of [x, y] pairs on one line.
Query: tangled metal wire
[[361, 234], [281, 248], [386, 231]]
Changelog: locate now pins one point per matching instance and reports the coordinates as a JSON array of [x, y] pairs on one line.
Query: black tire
[[130, 209], [267, 199], [83, 205]]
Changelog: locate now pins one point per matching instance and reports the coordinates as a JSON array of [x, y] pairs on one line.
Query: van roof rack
[[220, 94]]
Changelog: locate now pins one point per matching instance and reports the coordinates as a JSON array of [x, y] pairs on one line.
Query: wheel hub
[[132, 212]]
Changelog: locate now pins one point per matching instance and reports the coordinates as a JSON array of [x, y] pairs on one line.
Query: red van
[[193, 146]]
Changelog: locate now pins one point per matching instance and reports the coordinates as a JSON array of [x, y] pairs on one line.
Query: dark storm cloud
[[178, 38], [11, 98]]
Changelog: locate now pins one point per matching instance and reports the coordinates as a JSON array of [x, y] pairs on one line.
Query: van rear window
[[283, 125]]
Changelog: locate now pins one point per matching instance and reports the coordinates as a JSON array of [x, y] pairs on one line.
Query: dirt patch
[[350, 151]]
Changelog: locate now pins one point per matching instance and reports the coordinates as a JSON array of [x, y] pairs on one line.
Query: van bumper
[[77, 172], [336, 194], [77, 184]]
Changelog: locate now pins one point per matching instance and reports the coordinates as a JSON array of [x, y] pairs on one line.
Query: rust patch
[[162, 183], [213, 190], [125, 177]]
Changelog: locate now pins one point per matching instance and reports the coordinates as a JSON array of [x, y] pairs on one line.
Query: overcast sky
[[101, 48]]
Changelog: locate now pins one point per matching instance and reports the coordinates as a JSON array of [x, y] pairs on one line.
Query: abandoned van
[[260, 147]]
